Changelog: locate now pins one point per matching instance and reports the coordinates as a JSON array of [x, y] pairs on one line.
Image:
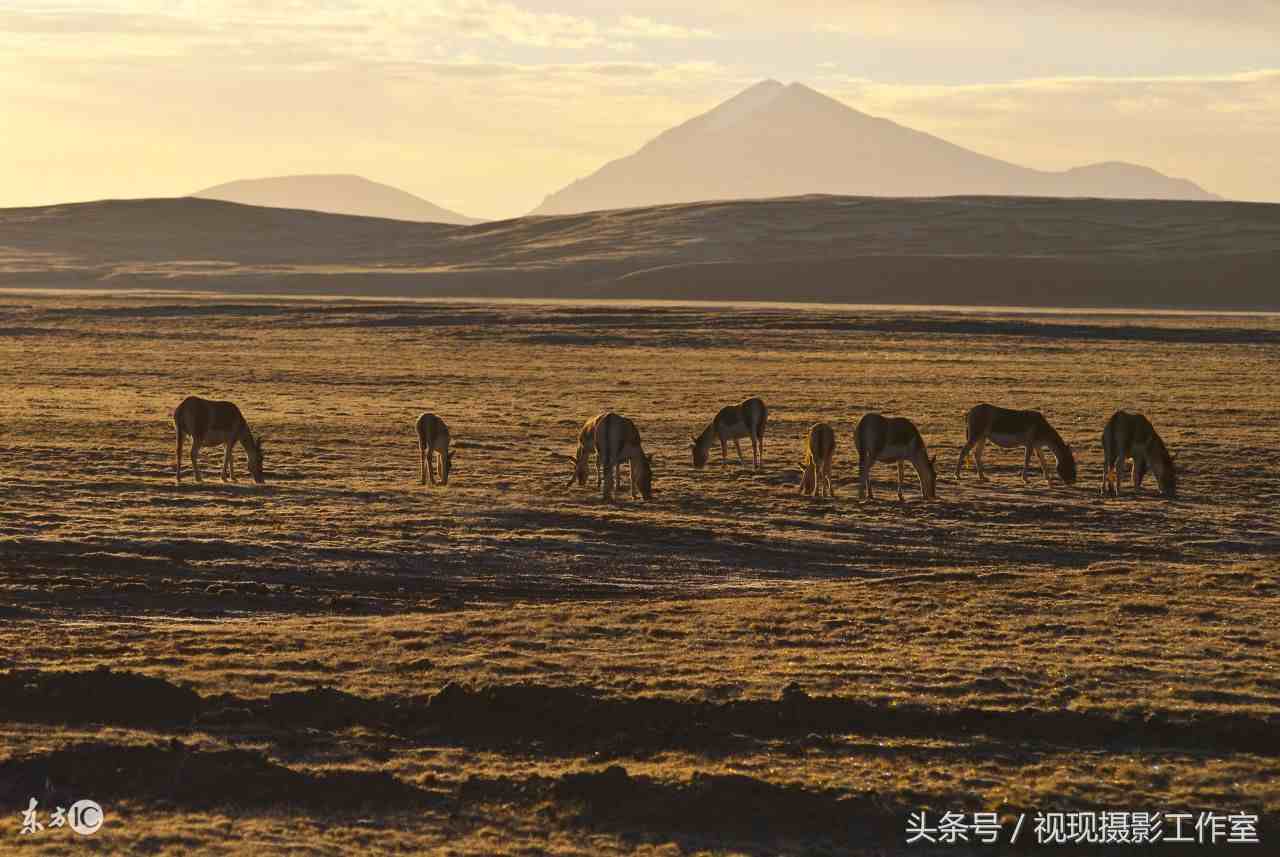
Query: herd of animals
[[615, 440]]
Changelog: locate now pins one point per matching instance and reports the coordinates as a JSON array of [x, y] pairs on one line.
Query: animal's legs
[[978, 452], [1044, 467]]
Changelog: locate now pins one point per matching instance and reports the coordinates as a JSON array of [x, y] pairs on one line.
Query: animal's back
[[1006, 421], [741, 420], [821, 443], [889, 439], [201, 418], [613, 433], [729, 417], [586, 437], [755, 413], [433, 432], [901, 432], [870, 435], [1126, 430], [978, 420]]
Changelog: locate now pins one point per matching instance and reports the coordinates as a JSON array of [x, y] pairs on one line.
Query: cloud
[[1218, 130], [486, 105], [1241, 92], [365, 27], [638, 27], [71, 22], [923, 16]]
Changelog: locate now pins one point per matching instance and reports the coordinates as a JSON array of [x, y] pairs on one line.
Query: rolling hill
[[773, 140], [334, 194], [1003, 251]]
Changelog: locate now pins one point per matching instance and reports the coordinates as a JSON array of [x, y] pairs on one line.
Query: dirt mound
[[581, 718], [95, 696], [174, 773], [573, 719], [718, 804], [568, 717]]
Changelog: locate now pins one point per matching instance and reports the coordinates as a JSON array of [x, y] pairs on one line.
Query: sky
[[487, 106]]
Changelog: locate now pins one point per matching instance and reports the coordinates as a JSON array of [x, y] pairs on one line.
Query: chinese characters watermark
[[1093, 828], [84, 817]]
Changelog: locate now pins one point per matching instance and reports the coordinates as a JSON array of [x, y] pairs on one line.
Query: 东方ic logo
[[85, 817]]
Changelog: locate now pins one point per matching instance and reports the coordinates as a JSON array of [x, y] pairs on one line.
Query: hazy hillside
[[773, 140], [963, 250], [336, 194]]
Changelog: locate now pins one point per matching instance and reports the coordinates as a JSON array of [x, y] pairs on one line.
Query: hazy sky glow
[[485, 106]]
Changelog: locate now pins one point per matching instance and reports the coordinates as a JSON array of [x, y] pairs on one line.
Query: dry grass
[[1009, 646]]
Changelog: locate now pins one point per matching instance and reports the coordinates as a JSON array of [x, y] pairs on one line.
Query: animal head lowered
[[808, 475], [446, 467], [1165, 469], [929, 479], [580, 464], [700, 454], [1066, 465], [643, 475], [254, 450]]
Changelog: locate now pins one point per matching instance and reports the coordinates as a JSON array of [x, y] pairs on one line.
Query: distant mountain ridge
[[775, 140], [334, 194], [977, 251]]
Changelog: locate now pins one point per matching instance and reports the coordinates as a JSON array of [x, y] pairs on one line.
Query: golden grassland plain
[[343, 660]]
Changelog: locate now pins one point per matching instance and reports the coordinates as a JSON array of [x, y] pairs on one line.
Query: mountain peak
[[334, 193], [740, 106], [775, 140]]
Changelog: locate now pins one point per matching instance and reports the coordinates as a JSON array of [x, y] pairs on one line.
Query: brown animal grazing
[[1007, 429], [1132, 436], [582, 456], [210, 424], [618, 440], [819, 453], [733, 423], [433, 443], [894, 440]]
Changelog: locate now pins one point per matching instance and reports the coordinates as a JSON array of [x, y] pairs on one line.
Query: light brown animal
[[895, 440], [1007, 429], [1132, 436], [733, 423], [819, 455], [581, 458], [433, 444], [211, 423], [617, 440]]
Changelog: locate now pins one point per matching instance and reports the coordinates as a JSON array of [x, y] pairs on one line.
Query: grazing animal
[[210, 423], [1132, 436], [433, 443], [733, 423], [894, 440], [819, 452], [1007, 429], [617, 440], [582, 456]]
